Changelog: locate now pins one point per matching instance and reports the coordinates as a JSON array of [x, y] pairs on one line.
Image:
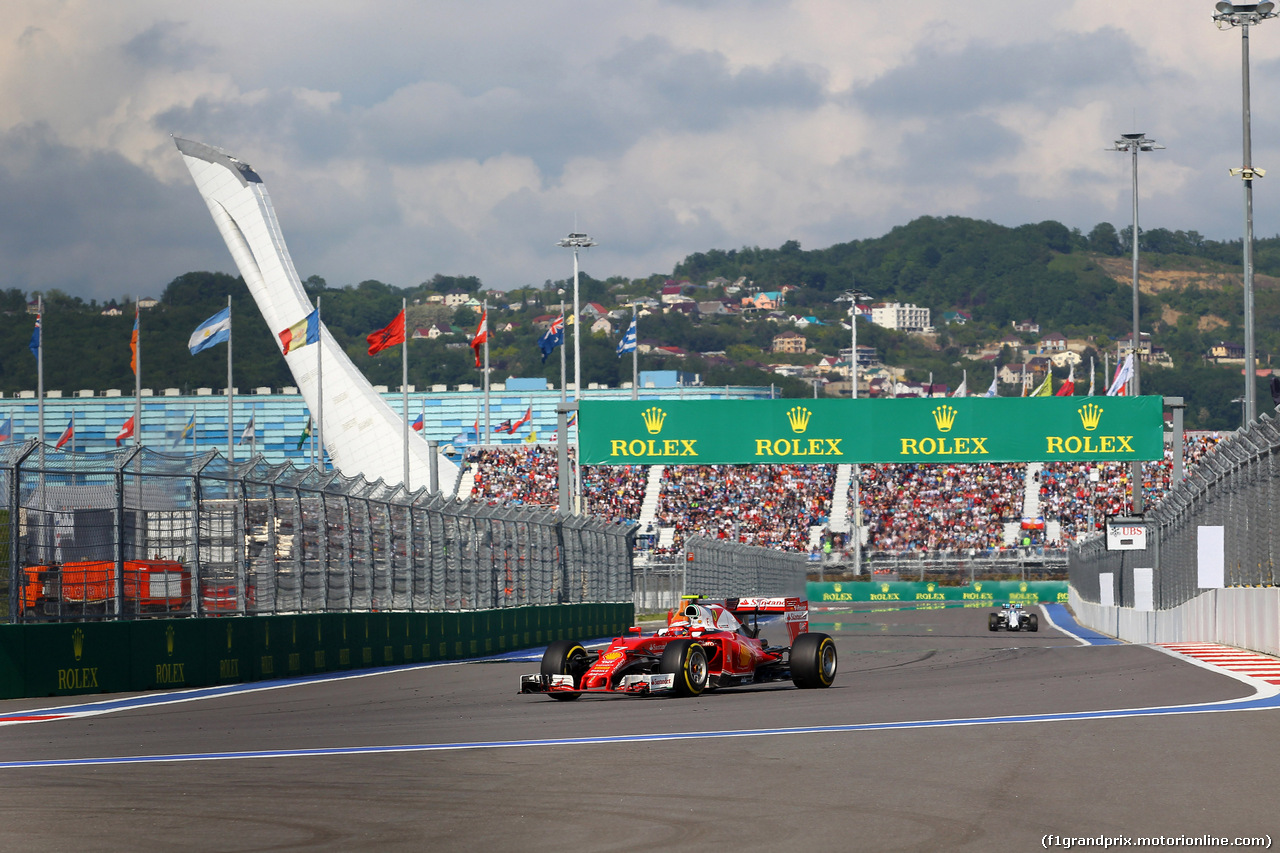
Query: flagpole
[[137, 374], [635, 358], [231, 445], [39, 389], [319, 386], [562, 425], [404, 381], [485, 321], [563, 332]]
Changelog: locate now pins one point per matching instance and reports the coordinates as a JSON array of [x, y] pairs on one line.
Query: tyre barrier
[[113, 657]]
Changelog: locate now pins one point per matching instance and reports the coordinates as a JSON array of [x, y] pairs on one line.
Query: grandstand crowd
[[905, 507]]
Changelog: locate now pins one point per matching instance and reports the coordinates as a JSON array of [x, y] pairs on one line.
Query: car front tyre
[[566, 657], [687, 661], [813, 661]]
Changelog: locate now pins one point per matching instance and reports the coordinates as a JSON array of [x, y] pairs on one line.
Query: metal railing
[[1235, 486], [134, 533]]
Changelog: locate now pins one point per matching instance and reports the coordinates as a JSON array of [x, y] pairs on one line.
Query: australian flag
[[553, 338]]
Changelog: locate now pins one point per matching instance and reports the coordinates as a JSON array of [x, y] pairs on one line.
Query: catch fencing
[[137, 533], [1236, 486], [718, 569]]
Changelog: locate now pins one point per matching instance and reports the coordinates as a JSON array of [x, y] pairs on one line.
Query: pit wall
[[114, 657], [1248, 618]]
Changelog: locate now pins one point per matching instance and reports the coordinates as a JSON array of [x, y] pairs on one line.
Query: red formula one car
[[705, 646]]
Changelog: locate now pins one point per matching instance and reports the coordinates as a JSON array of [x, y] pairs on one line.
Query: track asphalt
[[938, 735]]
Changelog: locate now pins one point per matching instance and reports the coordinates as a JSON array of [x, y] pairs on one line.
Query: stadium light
[[1133, 143], [1245, 15], [853, 297], [577, 241]]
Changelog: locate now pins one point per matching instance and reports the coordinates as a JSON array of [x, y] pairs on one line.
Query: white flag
[[1123, 374], [247, 435]]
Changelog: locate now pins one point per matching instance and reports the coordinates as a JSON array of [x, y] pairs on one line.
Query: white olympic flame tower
[[362, 433]]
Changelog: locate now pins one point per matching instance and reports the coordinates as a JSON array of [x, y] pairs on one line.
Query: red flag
[[528, 416], [481, 336], [67, 434], [1068, 388], [126, 431], [390, 336]]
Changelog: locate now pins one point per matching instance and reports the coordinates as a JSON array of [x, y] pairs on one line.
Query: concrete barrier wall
[[1248, 618], [113, 657]]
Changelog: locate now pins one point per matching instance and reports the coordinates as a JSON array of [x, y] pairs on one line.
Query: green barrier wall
[[115, 657], [977, 594]]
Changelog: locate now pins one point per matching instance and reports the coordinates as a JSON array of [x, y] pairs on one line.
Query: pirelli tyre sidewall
[[566, 657], [687, 661], [813, 660]]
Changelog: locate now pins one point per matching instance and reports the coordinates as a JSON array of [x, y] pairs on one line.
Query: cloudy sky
[[403, 139]]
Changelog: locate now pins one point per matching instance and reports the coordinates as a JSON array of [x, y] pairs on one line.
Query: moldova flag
[[305, 331]]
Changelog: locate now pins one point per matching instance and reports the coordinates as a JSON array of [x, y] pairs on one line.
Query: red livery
[[705, 646]]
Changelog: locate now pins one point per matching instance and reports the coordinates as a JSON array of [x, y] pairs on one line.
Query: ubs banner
[[977, 594], [968, 429]]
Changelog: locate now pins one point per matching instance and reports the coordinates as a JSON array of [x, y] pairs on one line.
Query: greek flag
[[628, 342], [215, 330]]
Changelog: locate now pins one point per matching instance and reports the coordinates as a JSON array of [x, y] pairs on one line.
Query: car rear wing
[[795, 611]]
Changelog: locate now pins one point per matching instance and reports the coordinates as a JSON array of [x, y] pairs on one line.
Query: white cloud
[[402, 139]]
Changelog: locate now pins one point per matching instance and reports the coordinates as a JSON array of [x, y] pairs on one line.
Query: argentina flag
[[215, 330]]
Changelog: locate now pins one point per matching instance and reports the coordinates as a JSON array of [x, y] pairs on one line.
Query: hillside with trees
[[1074, 284]]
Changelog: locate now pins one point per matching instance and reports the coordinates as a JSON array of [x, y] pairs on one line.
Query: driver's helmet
[[698, 616], [677, 619]]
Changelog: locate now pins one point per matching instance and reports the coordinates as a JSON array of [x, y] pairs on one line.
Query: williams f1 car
[[704, 646], [1012, 617]]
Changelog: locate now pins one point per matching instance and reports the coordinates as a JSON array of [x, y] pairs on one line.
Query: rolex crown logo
[[653, 419], [944, 417], [798, 417], [1090, 415]]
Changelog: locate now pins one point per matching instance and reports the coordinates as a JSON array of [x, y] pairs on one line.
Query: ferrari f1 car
[[704, 646], [1012, 617]]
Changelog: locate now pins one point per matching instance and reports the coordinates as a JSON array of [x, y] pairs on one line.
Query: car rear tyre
[[566, 657], [687, 661], [1033, 622], [813, 660]]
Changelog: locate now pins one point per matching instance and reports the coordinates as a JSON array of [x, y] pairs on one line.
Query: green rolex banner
[[966, 429]]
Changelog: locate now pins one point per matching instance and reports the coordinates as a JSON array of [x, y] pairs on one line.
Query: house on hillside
[[958, 318], [1227, 351], [900, 316], [672, 293], [432, 332], [456, 298], [1053, 342], [792, 342], [1031, 327]]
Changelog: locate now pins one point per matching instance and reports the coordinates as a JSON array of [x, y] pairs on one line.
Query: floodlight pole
[[1132, 143], [1243, 16], [577, 241], [855, 528]]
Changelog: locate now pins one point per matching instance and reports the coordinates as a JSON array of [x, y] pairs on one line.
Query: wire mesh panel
[[1233, 487], [137, 533]]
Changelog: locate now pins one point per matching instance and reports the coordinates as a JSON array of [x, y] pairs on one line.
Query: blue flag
[[215, 330], [34, 346], [553, 338], [628, 342]]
